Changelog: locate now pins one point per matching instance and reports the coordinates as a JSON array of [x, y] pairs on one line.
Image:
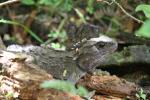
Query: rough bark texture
[[30, 91], [110, 85], [23, 80]]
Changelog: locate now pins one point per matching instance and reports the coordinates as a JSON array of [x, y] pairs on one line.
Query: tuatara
[[69, 64]]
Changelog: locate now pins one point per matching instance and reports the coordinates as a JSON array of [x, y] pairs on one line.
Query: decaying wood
[[104, 97], [15, 65], [110, 85], [23, 79], [30, 91]]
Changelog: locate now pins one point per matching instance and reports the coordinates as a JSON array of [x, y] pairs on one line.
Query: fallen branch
[[8, 2]]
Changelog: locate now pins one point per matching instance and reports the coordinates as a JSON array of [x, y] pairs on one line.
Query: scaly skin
[[70, 64]]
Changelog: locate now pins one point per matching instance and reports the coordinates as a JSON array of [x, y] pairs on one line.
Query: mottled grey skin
[[58, 63], [94, 51], [73, 64]]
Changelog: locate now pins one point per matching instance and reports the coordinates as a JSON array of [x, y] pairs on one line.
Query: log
[[22, 80], [110, 85]]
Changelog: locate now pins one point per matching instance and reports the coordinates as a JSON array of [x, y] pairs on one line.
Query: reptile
[[71, 65]]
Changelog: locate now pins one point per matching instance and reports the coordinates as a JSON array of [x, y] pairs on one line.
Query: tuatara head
[[93, 52]]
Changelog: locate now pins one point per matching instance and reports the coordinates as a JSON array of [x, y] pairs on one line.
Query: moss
[[121, 57]]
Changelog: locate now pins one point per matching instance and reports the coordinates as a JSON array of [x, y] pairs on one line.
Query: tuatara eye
[[100, 45]]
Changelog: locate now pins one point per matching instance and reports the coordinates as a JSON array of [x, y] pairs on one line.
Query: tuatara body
[[69, 64]]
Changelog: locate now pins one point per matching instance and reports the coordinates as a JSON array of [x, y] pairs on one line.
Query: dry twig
[[8, 2], [123, 10]]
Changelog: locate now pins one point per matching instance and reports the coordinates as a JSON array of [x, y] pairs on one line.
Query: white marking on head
[[102, 38]]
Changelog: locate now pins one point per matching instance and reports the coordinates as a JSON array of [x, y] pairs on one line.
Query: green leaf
[[9, 95], [63, 5], [28, 2], [24, 27], [90, 6], [60, 85], [79, 13], [8, 22], [56, 34], [68, 5], [145, 8], [143, 96], [144, 30], [141, 91], [65, 86], [137, 95], [33, 34], [82, 91], [55, 45], [46, 2]]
